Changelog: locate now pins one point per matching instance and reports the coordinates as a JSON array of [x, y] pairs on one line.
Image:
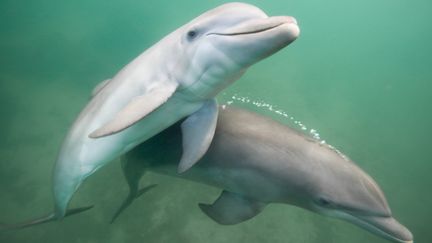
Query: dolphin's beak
[[252, 40], [260, 25], [386, 227]]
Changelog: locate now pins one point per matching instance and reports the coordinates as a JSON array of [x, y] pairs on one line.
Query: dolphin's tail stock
[[42, 220], [129, 200]]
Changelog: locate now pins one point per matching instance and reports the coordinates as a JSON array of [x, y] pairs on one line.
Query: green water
[[360, 74]]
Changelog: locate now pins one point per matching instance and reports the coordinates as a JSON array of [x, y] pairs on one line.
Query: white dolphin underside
[[176, 78]]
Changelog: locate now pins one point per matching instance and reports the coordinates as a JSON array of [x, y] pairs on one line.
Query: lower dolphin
[[257, 161]]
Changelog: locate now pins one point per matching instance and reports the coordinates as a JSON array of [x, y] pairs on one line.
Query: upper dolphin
[[178, 77], [257, 161]]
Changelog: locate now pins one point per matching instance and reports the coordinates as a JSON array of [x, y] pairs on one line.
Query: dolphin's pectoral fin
[[197, 132], [99, 87], [130, 199], [42, 220], [136, 109], [231, 208]]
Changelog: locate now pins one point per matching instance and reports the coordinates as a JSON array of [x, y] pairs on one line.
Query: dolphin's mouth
[[246, 32], [257, 26], [386, 227]]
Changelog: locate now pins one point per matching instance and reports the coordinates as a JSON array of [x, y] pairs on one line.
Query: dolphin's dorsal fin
[[197, 133], [137, 109], [231, 208], [99, 87]]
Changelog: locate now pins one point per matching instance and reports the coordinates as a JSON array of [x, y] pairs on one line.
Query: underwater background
[[360, 74]]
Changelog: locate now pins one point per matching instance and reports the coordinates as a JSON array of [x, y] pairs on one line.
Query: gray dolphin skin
[[177, 78], [257, 161]]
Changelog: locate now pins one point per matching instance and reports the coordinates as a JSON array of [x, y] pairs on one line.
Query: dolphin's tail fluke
[[42, 220], [129, 200]]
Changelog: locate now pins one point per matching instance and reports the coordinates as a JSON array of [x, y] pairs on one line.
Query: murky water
[[359, 76]]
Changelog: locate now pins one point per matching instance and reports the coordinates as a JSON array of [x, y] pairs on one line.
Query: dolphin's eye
[[323, 202], [191, 34]]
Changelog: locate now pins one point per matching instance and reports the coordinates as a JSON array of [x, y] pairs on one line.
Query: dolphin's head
[[342, 190], [244, 33], [221, 43]]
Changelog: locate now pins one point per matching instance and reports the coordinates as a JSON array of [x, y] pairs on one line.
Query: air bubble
[[266, 106]]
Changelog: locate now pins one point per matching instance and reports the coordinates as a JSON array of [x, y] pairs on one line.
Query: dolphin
[[257, 161], [176, 78]]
